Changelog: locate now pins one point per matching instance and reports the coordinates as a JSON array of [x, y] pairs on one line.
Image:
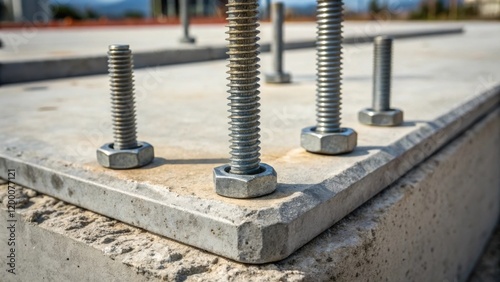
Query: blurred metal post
[[277, 45], [184, 11], [267, 14]]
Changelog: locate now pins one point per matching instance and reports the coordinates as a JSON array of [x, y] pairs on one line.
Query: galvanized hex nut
[[245, 186], [341, 142], [392, 117], [108, 157]]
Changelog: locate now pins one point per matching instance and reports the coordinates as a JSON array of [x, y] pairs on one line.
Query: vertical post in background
[[277, 45], [184, 11], [268, 10]]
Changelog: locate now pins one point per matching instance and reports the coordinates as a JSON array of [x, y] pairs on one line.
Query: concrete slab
[[428, 226], [82, 51], [182, 112]]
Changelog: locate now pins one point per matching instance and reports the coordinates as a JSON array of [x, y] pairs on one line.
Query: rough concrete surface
[[182, 112], [431, 225]]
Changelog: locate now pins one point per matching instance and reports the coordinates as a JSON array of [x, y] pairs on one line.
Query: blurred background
[[106, 12]]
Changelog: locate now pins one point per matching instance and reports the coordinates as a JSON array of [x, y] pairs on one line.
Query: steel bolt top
[[328, 137], [125, 152], [381, 113]]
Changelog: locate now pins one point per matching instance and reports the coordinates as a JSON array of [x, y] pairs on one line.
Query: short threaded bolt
[[122, 96], [329, 65], [382, 72], [125, 152], [381, 113], [245, 176], [328, 137]]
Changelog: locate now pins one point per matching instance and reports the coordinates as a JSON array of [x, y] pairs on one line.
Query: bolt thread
[[382, 73], [329, 65], [122, 97], [243, 86]]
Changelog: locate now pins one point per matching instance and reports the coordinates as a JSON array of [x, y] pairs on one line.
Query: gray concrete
[[64, 53], [175, 195], [428, 226]]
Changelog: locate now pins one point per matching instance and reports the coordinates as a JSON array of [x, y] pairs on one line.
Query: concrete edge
[[26, 71], [245, 234]]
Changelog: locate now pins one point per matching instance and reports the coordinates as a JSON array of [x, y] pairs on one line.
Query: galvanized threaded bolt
[[328, 137], [277, 45], [245, 176], [125, 152], [184, 13], [381, 113]]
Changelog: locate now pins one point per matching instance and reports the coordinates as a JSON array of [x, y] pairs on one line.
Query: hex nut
[[341, 142], [393, 117], [277, 78], [245, 186], [108, 157]]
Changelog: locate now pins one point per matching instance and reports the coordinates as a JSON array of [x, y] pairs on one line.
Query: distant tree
[[374, 7], [4, 11], [91, 14], [134, 15], [431, 10], [60, 12]]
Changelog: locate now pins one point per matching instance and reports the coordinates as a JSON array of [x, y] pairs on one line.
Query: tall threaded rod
[[245, 176], [382, 74], [244, 86], [122, 97], [329, 65], [328, 137]]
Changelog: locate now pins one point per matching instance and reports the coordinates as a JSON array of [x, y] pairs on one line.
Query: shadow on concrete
[[162, 161]]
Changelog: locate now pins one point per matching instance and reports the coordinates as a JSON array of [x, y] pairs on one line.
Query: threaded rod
[[243, 86], [329, 65], [382, 68]]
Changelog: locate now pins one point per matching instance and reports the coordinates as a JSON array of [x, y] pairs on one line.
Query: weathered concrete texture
[[431, 225], [77, 52], [438, 86]]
